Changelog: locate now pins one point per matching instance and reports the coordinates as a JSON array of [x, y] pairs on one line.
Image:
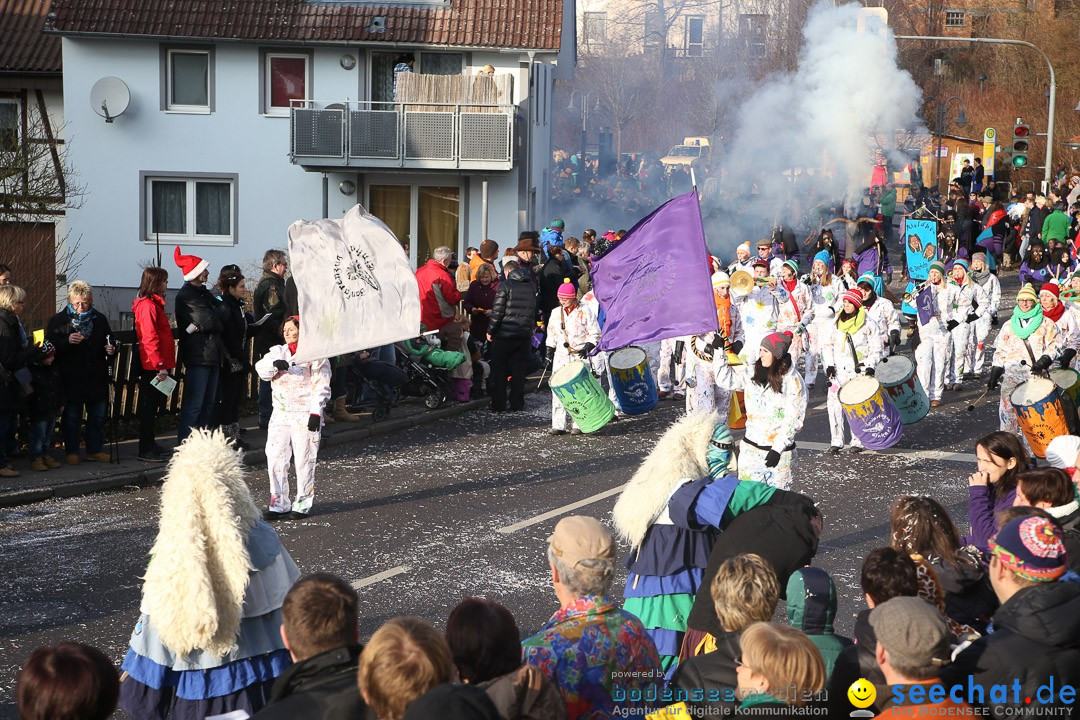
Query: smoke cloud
[[820, 125]]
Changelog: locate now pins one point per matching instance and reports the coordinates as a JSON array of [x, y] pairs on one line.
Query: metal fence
[[125, 380], [408, 135]]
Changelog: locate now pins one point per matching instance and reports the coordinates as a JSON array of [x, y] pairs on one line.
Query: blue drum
[[632, 380]]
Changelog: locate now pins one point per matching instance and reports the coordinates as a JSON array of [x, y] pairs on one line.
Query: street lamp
[[584, 119], [942, 109]]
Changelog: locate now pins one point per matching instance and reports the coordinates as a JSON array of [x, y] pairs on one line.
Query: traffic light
[[1020, 143]]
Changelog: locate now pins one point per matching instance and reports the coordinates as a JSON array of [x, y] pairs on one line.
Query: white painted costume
[[977, 347], [837, 353], [1068, 326], [795, 314], [298, 393], [1011, 353], [970, 298], [759, 310], [932, 355], [826, 299], [772, 421], [576, 329], [884, 315]]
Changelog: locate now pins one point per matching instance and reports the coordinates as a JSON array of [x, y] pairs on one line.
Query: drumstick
[[971, 407], [542, 377]]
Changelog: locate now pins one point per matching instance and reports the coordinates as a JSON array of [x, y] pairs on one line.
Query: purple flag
[[655, 283]]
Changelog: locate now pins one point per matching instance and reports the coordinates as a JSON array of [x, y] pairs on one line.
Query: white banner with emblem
[[355, 287]]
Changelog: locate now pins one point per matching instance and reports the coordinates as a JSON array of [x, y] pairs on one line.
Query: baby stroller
[[427, 368], [383, 378]]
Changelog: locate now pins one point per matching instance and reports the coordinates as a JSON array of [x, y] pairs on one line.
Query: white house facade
[[241, 121]]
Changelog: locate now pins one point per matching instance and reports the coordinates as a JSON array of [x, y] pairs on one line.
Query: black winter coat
[[322, 687], [1036, 637], [1071, 537], [551, 277], [84, 368], [196, 304], [513, 315], [857, 661], [969, 599], [269, 297], [13, 356], [713, 673], [47, 398], [780, 532], [234, 327]]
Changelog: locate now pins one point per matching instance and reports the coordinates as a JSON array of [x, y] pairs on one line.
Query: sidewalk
[[92, 477]]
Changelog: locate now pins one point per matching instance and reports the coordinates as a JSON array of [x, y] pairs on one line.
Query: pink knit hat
[[567, 289]]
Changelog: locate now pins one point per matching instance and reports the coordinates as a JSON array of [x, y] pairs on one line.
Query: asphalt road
[[459, 507]]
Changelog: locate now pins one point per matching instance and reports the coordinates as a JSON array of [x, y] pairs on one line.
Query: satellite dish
[[110, 97]]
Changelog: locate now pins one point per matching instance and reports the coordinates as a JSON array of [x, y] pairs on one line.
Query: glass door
[[422, 217], [393, 205], [438, 215]]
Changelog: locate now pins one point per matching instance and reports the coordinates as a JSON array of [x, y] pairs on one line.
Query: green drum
[[581, 395], [1069, 381]]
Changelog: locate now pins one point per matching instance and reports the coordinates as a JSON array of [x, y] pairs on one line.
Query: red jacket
[[438, 295], [157, 351]]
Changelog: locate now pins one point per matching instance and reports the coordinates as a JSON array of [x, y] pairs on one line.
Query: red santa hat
[[191, 265], [1051, 288]]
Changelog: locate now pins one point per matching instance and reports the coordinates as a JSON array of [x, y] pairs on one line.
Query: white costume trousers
[[666, 381], [289, 438], [932, 362], [977, 345], [837, 420], [960, 337]]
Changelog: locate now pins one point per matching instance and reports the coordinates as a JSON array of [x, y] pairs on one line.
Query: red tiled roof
[[535, 24], [24, 48]]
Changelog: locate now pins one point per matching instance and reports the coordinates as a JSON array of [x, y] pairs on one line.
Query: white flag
[[355, 287]]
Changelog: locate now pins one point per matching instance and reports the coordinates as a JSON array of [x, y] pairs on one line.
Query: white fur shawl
[[198, 572], [679, 454]]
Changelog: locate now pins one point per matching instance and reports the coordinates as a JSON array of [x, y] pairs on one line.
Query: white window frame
[[956, 15], [192, 109], [598, 21], [269, 110], [687, 45], [12, 100], [190, 237]]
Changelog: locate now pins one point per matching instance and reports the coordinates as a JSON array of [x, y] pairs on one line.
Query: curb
[[252, 458]]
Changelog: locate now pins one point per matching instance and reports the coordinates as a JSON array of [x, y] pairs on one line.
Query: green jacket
[[1055, 226], [811, 607], [888, 202]]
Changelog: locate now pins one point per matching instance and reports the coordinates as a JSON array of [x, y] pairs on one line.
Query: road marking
[[803, 445], [561, 510], [379, 577], [822, 406], [920, 454]]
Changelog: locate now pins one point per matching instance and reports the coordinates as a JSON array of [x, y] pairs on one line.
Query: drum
[[737, 413], [872, 416], [1069, 381], [581, 395], [632, 380], [1040, 411], [897, 376]]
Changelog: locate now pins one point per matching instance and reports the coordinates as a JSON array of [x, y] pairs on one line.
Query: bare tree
[[38, 185]]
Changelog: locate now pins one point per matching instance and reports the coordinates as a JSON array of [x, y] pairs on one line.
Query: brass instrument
[[743, 282], [915, 290]]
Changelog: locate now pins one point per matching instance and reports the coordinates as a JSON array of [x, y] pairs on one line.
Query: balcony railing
[[420, 136]]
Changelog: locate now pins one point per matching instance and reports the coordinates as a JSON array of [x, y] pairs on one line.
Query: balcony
[[409, 136]]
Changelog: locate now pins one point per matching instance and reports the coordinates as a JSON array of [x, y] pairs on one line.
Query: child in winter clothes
[[44, 405], [299, 392]]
